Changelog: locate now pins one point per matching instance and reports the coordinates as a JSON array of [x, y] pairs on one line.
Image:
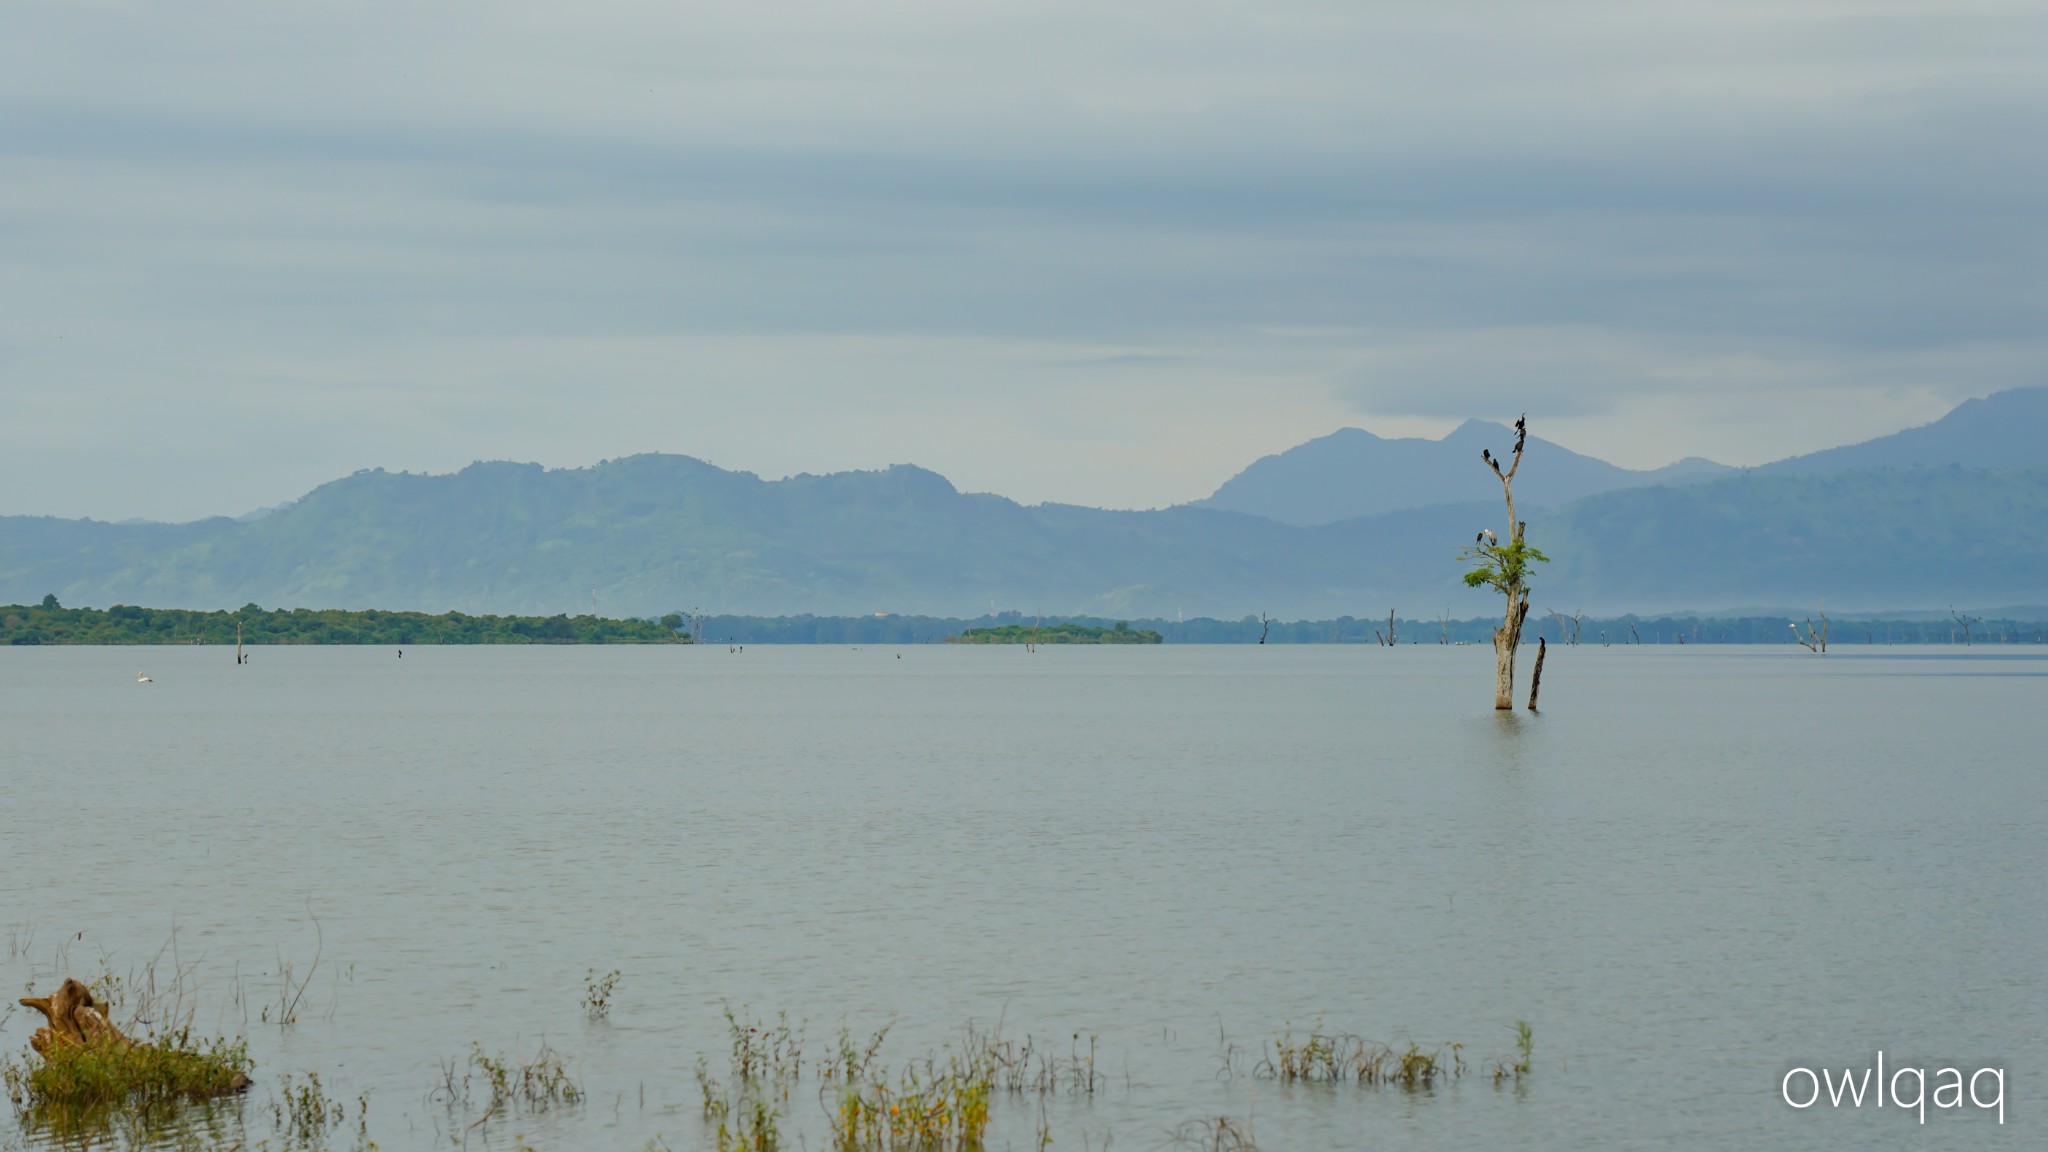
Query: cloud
[[1644, 398], [1194, 232]]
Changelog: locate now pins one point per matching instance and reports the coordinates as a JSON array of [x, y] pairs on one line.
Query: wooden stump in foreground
[[117, 1069], [75, 1018]]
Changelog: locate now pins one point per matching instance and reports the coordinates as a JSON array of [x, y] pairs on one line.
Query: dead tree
[[1536, 673], [1386, 638], [1567, 626], [1265, 626], [1965, 621], [1505, 569], [1813, 639]]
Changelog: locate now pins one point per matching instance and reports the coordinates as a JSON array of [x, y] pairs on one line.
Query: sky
[[1096, 253]]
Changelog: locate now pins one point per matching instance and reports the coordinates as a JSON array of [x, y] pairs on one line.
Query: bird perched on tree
[[1486, 454], [1485, 536]]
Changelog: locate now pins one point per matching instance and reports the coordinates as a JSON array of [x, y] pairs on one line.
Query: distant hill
[[654, 534], [1352, 473], [650, 534], [2002, 430], [1867, 540]]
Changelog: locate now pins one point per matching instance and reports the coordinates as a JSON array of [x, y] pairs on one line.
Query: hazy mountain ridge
[[653, 533], [650, 534], [1352, 473], [2002, 430], [1868, 539]]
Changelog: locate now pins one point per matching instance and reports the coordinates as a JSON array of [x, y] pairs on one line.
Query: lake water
[[1697, 869]]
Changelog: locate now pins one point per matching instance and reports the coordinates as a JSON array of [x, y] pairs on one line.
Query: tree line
[[51, 623], [1542, 623]]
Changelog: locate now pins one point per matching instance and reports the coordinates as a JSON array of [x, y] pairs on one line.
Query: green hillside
[[648, 535], [1881, 538]]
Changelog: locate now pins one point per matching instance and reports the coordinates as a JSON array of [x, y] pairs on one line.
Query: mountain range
[[1352, 473], [1347, 524]]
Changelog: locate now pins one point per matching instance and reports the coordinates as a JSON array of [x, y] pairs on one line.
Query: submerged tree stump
[[119, 1070], [75, 1018]]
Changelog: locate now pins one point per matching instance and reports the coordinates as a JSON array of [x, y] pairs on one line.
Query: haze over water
[[1695, 870]]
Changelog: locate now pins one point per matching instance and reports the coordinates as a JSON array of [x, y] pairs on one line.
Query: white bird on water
[[141, 679]]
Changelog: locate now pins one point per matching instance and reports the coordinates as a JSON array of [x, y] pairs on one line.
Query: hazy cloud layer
[[1079, 252]]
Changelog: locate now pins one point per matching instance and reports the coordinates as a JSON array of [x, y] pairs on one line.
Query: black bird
[[1486, 455]]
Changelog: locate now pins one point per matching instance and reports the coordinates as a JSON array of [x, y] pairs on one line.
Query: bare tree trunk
[[1536, 674], [1506, 639], [1507, 565]]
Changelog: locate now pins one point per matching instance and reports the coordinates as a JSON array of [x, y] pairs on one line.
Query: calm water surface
[[1697, 869]]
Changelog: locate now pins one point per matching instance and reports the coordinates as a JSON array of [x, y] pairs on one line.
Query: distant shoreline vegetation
[[50, 623], [1066, 632]]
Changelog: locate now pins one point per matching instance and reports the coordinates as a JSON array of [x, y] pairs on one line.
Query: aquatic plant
[[765, 1056], [1525, 1047], [848, 1061], [930, 1107], [292, 992], [1026, 1068], [1343, 1058], [511, 1084], [532, 1085], [715, 1104], [754, 1129], [304, 1115], [597, 993], [1216, 1134], [764, 1062]]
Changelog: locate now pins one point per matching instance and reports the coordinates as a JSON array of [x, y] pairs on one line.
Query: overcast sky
[[1102, 252]]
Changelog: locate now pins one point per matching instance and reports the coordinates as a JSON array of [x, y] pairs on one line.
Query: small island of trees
[[1068, 633]]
